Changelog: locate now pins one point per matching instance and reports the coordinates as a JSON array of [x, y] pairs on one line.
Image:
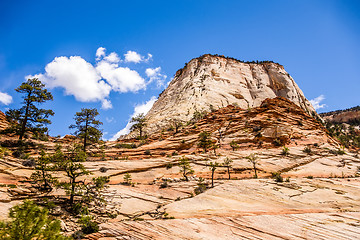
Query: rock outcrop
[[3, 122], [211, 82]]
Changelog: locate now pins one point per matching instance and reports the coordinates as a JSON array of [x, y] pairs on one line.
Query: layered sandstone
[[211, 82]]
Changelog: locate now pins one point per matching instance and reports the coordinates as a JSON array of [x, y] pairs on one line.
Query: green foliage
[[139, 123], [205, 141], [88, 226], [177, 125], [42, 176], [213, 166], [29, 117], [234, 145], [185, 168], [201, 186], [71, 164], [127, 178], [348, 136], [227, 163], [4, 152], [126, 145], [277, 177], [87, 127], [28, 222], [285, 151], [254, 160]]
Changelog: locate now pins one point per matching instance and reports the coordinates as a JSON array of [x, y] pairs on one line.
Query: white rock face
[[214, 82]]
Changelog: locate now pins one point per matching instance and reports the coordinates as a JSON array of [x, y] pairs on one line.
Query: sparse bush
[[88, 225], [285, 151], [127, 178], [29, 163], [164, 184], [103, 169], [147, 152], [309, 177], [307, 150], [277, 177], [126, 145], [234, 145], [201, 186], [169, 165]]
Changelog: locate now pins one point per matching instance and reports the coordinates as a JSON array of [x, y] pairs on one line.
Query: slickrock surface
[[214, 82], [255, 209]]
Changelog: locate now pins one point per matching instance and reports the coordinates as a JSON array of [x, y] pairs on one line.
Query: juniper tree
[[139, 123], [87, 127], [29, 117], [185, 168], [29, 221]]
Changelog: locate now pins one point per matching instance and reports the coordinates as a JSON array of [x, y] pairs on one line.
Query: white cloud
[[121, 79], [110, 120], [112, 58], [132, 56], [316, 102], [100, 52], [93, 83], [141, 108], [5, 98], [106, 104], [78, 77], [155, 75]]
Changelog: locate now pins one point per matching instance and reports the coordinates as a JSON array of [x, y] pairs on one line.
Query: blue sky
[[59, 41]]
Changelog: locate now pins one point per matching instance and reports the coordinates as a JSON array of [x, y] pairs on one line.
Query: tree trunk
[[85, 137], [212, 178], [72, 193], [23, 126], [256, 176]]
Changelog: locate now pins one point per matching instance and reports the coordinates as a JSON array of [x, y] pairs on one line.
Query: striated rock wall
[[3, 122], [211, 82]]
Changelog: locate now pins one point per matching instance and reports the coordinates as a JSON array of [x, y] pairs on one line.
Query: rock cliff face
[[211, 82], [3, 122]]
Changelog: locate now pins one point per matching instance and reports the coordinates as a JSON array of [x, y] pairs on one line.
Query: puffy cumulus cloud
[[93, 82], [121, 79], [140, 108], [5, 98], [132, 56], [100, 52], [316, 102], [154, 74], [106, 104], [78, 77]]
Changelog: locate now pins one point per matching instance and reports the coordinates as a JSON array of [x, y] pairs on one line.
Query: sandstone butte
[[319, 198]]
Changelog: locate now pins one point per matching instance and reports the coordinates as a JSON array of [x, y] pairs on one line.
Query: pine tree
[[87, 127], [71, 164], [185, 168], [204, 141], [29, 117], [140, 123], [42, 175], [254, 160], [29, 221], [213, 166], [227, 163]]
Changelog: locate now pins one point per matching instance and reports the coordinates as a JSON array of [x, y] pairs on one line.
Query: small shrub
[[277, 177], [126, 145], [164, 184], [309, 177], [277, 142], [103, 169], [201, 186], [88, 226], [147, 152], [307, 150], [127, 178], [285, 151], [169, 165]]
